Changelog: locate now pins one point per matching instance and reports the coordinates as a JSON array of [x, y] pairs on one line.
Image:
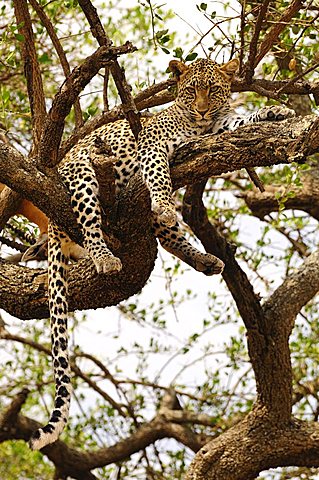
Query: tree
[[116, 428]]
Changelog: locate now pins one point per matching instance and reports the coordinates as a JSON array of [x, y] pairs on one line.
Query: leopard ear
[[230, 68], [177, 68]]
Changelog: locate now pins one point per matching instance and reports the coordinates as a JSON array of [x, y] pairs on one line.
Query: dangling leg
[[82, 184], [173, 240], [57, 271], [154, 163]]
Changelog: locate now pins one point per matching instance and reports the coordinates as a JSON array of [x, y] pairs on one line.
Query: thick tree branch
[[31, 70], [63, 101], [253, 446], [266, 144]]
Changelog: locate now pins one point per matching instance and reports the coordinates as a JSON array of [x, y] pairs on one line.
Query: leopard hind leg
[[173, 240], [57, 273], [80, 179]]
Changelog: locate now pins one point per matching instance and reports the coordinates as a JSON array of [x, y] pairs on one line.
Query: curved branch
[[306, 199], [78, 464], [300, 287], [66, 97]]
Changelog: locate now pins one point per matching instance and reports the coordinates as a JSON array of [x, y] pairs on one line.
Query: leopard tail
[[57, 272]]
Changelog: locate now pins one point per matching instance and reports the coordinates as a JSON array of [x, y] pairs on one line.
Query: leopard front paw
[[107, 264], [276, 113], [209, 264], [165, 214]]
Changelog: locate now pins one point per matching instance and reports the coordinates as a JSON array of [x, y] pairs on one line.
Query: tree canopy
[[194, 377]]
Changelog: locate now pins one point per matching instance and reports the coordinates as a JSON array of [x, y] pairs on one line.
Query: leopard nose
[[203, 112]]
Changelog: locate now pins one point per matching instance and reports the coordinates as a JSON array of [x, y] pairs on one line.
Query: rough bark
[[78, 464]]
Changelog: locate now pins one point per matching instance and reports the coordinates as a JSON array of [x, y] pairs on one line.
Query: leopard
[[202, 106]]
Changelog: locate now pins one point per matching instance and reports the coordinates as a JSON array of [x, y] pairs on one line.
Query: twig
[[255, 179], [123, 88], [274, 33], [249, 67], [60, 52]]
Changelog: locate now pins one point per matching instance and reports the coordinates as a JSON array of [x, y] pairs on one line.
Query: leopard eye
[[190, 89], [214, 88]]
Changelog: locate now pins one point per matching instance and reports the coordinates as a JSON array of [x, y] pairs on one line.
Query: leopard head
[[203, 86]]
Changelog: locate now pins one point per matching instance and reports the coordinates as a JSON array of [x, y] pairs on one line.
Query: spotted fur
[[202, 105]]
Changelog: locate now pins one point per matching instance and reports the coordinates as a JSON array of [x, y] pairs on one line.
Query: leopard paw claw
[[107, 264]]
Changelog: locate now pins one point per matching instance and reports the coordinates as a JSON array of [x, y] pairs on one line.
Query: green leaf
[[191, 56], [19, 37]]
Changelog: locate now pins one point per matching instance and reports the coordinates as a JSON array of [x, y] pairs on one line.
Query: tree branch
[[60, 52], [253, 446], [118, 73], [300, 287], [31, 70], [63, 101], [306, 199], [276, 30]]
